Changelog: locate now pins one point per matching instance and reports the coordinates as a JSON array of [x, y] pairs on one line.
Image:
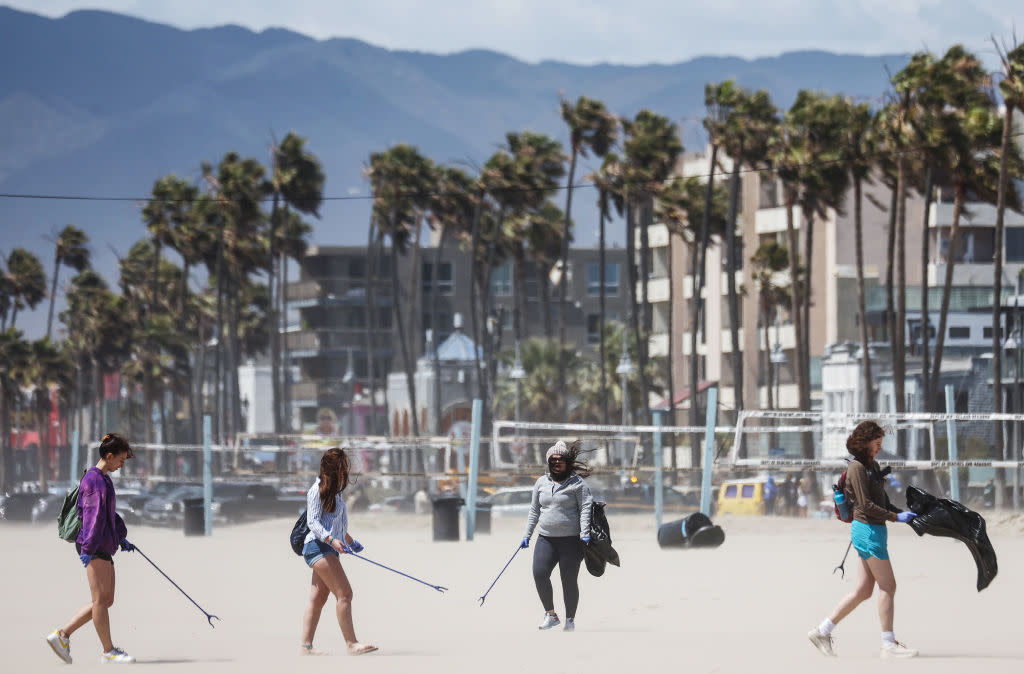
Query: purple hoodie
[[102, 527]]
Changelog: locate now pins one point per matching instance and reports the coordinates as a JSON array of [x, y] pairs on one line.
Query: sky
[[602, 31]]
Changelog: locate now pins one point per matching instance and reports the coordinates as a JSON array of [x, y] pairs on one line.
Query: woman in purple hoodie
[[103, 531]]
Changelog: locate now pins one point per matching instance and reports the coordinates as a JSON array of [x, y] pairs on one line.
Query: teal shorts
[[870, 540]]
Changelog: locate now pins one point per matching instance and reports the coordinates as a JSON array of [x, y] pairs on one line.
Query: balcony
[[657, 290], [305, 394], [310, 343], [657, 345], [772, 220]]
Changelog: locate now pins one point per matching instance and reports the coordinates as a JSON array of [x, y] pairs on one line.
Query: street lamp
[[517, 374]]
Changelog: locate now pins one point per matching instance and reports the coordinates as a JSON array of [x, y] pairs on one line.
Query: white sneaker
[[116, 656], [897, 650], [822, 642], [548, 622], [60, 645], [570, 625]]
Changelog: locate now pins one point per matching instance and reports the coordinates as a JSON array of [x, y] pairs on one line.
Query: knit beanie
[[557, 449]]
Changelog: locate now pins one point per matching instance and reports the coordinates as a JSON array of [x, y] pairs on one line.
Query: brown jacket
[[865, 489]]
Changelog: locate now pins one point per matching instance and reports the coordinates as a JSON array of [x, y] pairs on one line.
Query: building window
[[445, 284], [986, 332], [593, 328], [385, 318], [611, 279], [501, 281], [959, 332], [357, 268], [1015, 244]]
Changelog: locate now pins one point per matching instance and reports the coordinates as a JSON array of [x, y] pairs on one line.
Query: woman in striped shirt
[[328, 538]]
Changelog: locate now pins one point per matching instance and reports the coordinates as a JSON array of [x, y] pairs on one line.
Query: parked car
[[130, 506], [511, 501], [47, 507], [169, 509], [17, 507], [402, 503], [236, 502]]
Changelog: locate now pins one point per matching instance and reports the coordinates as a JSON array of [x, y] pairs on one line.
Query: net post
[[474, 466], [658, 481], [207, 477], [74, 456], [954, 472], [711, 417]]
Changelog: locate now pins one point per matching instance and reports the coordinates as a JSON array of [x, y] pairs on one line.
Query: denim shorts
[[870, 540], [315, 550]]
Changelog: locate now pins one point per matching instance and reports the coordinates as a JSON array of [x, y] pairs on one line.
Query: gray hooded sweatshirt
[[560, 509]]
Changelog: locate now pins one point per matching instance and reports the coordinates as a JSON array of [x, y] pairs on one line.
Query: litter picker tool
[[840, 569], [209, 616], [439, 588], [484, 597]]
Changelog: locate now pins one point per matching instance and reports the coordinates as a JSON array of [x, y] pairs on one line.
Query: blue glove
[[586, 540], [355, 546], [85, 559], [905, 516], [525, 543], [126, 546]]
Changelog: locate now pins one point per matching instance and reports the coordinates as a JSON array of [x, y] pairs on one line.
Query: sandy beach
[[745, 606]]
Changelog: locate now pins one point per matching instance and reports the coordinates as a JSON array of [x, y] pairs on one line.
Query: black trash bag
[[696, 530], [943, 517], [600, 550]]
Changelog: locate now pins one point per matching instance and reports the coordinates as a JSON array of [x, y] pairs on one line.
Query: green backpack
[[69, 522]]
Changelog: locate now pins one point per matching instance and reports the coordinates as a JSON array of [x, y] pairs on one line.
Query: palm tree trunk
[[273, 321], [44, 446], [286, 391], [519, 290], [97, 376], [796, 288], [564, 283], [371, 306], [236, 361], [634, 323], [53, 291], [890, 287], [900, 358], [858, 228], [601, 311], [415, 281], [218, 420], [435, 326], [475, 276], [5, 444], [925, 375], [999, 449], [947, 290], [643, 345], [730, 269], [545, 301], [403, 341], [695, 415], [805, 305], [670, 377]]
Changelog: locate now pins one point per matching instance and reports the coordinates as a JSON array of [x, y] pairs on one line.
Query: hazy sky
[[594, 31]]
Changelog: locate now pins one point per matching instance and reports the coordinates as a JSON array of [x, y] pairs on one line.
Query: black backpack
[[297, 539]]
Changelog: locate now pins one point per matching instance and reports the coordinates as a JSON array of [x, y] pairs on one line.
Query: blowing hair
[[112, 443], [573, 462], [334, 469], [863, 435]]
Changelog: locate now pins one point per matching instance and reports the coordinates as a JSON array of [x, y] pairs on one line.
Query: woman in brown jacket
[[865, 490]]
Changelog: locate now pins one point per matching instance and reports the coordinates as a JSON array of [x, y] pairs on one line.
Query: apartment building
[[329, 344]]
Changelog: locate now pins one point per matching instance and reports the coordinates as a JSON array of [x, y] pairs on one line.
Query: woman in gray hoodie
[[560, 511]]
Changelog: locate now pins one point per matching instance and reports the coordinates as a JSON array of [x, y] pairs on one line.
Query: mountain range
[[97, 104]]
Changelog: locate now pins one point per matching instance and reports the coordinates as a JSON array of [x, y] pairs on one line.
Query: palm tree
[[858, 149], [24, 284], [1011, 86], [609, 195], [770, 258], [297, 182], [71, 250], [593, 128], [15, 354], [540, 393], [745, 132], [651, 150], [401, 178], [682, 208], [48, 368]]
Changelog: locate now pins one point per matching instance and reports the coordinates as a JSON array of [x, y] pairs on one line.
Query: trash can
[[446, 517], [195, 522], [483, 518]]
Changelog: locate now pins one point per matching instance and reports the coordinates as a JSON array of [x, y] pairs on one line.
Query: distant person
[[789, 496], [865, 491], [802, 491], [328, 538], [770, 492], [103, 532], [988, 496], [560, 511]]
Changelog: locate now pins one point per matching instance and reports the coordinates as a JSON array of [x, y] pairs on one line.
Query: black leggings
[[566, 552]]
